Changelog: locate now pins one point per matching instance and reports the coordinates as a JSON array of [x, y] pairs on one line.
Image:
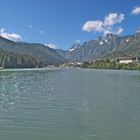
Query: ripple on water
[[69, 104]]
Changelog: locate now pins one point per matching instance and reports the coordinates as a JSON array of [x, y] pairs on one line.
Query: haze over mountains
[[19, 54]]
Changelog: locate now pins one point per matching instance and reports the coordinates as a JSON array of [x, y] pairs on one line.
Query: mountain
[[130, 47], [72, 52], [93, 49], [37, 51], [106, 46], [20, 54]]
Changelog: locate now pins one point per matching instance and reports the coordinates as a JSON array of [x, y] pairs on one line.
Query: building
[[130, 60], [127, 61]]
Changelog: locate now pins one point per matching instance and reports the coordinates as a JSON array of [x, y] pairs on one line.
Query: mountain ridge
[[35, 50], [106, 46]]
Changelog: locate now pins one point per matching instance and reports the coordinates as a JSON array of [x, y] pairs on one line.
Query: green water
[[69, 105]]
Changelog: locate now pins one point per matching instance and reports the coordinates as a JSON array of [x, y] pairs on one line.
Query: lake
[[69, 104]]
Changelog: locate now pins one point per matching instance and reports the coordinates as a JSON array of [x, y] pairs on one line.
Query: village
[[118, 60]]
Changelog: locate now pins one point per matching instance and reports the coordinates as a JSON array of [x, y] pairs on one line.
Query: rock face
[[37, 52], [106, 46], [93, 49], [130, 47]]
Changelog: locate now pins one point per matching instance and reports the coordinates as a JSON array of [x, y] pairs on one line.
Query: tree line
[[111, 64], [14, 60]]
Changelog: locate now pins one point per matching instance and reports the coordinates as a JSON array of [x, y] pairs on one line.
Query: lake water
[[69, 104]]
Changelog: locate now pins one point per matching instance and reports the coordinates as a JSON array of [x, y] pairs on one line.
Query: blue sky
[[61, 22]]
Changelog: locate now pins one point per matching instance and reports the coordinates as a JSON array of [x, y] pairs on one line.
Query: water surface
[[69, 104]]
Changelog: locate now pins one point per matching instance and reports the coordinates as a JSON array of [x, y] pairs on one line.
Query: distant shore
[[28, 69], [103, 64]]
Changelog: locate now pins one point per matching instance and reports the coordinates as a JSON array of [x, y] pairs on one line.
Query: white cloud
[[106, 31], [136, 10], [77, 41], [106, 26], [116, 31], [52, 46], [113, 18], [138, 30], [42, 32], [12, 36], [93, 26], [30, 26], [119, 31]]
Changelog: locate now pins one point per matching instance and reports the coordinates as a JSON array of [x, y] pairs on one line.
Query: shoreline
[[29, 69], [61, 68]]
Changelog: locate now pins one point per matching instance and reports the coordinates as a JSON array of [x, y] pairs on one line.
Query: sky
[[61, 23]]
